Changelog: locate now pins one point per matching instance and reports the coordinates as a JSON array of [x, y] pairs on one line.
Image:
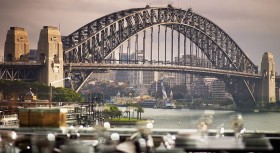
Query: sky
[[253, 24]]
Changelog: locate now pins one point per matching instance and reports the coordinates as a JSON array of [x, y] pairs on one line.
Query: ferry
[[170, 105], [148, 103]]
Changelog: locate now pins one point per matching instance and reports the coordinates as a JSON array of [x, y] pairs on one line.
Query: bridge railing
[[20, 62]]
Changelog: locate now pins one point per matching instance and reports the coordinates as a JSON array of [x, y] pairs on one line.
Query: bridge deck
[[171, 68], [19, 64], [141, 67]]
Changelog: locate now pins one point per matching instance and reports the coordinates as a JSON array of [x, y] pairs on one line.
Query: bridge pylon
[[16, 45], [268, 94], [50, 53]]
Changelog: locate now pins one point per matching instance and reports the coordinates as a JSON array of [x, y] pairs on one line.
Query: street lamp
[[50, 93]]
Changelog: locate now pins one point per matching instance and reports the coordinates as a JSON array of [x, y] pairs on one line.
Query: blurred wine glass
[[203, 124], [237, 125]]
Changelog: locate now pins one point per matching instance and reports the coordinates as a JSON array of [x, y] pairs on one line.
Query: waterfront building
[[173, 79], [109, 75], [200, 88]]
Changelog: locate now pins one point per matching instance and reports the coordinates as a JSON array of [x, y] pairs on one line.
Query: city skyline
[[253, 24]]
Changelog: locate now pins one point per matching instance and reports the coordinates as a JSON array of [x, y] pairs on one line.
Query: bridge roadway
[[156, 67], [19, 70], [135, 67], [20, 64]]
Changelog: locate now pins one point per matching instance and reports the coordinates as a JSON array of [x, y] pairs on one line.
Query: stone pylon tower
[[50, 53], [16, 45], [268, 95]]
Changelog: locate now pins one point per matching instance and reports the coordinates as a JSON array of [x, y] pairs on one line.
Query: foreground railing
[[140, 139]]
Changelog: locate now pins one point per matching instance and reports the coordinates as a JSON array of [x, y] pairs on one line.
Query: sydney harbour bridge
[[169, 39]]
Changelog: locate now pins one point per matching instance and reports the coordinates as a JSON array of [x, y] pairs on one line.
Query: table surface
[[225, 143]]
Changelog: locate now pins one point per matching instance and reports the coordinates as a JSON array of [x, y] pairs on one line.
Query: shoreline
[[223, 109]]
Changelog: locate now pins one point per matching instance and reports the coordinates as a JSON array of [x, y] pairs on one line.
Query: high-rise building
[[149, 77], [122, 76], [200, 88], [136, 77], [193, 60], [218, 89], [109, 75], [208, 88]]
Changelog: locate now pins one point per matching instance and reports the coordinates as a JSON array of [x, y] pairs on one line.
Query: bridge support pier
[[50, 53], [16, 45], [242, 91], [267, 91]]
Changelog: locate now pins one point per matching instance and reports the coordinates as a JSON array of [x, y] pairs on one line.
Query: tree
[[108, 88], [41, 90], [66, 95], [107, 113], [136, 107], [127, 111], [112, 111], [140, 110]]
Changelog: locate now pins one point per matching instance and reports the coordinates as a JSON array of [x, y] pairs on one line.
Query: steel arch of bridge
[[97, 40]]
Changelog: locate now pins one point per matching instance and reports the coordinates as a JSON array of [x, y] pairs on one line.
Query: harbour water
[[187, 119]]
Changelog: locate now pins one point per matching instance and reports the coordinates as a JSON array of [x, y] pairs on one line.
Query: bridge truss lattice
[[100, 40]]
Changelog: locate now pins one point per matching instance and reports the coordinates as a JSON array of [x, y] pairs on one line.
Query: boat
[[148, 103], [170, 105]]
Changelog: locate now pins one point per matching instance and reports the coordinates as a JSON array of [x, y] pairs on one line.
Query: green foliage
[[40, 90], [139, 109], [66, 95], [19, 88], [112, 111], [108, 88]]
